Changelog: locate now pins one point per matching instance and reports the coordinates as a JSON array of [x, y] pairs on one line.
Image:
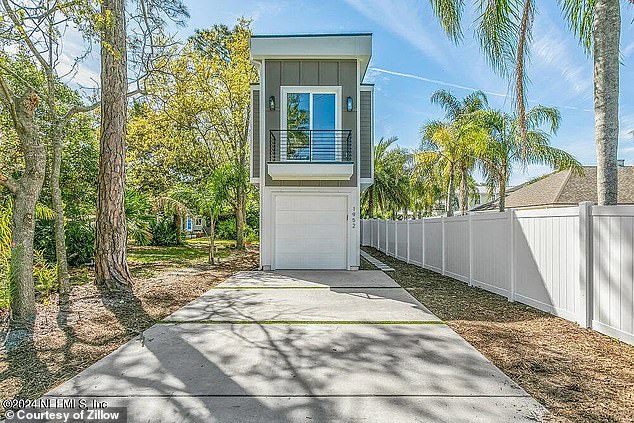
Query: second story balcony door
[[311, 117]]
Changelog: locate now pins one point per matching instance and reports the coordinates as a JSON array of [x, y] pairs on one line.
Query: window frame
[[311, 90]]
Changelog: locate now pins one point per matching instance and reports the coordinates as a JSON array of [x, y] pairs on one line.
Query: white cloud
[[403, 18], [626, 127], [432, 81], [553, 51], [374, 73], [628, 50]]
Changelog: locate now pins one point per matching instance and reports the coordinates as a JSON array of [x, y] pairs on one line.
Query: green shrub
[[226, 228], [80, 241], [164, 232]]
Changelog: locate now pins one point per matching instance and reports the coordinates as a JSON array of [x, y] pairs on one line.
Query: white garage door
[[310, 232]]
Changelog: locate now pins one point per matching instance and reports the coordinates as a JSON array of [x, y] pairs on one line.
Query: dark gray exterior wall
[[312, 72], [365, 134], [255, 141]]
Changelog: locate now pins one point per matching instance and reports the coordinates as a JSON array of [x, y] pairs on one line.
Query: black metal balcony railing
[[316, 145]]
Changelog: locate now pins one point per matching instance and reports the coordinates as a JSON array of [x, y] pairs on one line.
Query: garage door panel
[[310, 232], [308, 203], [287, 217]]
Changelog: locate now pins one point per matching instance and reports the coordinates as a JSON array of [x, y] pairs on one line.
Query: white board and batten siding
[[574, 262]]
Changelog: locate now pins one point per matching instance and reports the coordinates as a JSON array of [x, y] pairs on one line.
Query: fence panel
[[433, 244], [401, 240], [416, 242], [533, 256], [391, 238], [457, 248], [365, 233], [547, 260], [613, 271], [491, 252]]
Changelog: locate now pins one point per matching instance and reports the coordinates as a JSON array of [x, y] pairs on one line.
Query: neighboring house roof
[[564, 188]]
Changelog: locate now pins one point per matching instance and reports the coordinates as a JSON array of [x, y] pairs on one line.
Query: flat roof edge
[[343, 34]]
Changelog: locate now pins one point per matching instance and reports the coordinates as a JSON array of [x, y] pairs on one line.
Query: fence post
[[470, 249], [407, 244], [395, 238], [422, 229], [511, 295], [585, 264], [442, 224], [387, 240]]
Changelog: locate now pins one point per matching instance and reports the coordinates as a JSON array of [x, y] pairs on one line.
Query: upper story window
[[311, 117]]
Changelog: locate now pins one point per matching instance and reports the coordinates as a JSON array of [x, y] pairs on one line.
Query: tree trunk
[[111, 267], [502, 199], [464, 190], [240, 214], [520, 101], [178, 222], [370, 203], [607, 34], [63, 280], [450, 193], [23, 214], [212, 240]]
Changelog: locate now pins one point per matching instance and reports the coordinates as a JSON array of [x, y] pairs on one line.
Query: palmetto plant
[[504, 148], [44, 274], [390, 191]]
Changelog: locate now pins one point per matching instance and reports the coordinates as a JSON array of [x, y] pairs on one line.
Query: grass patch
[[192, 252]]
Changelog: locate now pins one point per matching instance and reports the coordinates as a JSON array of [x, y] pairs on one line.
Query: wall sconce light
[[272, 103], [349, 104]]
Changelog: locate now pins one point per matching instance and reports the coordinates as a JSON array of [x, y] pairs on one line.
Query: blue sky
[[412, 58]]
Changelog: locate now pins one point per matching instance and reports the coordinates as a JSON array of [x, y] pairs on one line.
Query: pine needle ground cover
[[578, 374]]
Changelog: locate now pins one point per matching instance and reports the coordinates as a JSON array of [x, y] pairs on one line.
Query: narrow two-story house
[[311, 147]]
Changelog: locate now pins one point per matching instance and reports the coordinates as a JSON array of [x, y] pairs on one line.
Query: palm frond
[[580, 15], [449, 13], [497, 31]]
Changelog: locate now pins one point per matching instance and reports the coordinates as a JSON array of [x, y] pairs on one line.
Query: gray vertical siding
[[255, 142], [312, 72], [365, 134]]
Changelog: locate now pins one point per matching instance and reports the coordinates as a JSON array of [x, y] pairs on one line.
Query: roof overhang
[[318, 46]]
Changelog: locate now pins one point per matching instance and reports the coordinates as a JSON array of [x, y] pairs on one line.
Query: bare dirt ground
[[65, 343], [577, 373]]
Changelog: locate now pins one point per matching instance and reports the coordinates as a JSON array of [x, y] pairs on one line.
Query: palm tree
[[504, 148], [504, 29], [390, 191], [459, 112], [598, 26], [440, 148]]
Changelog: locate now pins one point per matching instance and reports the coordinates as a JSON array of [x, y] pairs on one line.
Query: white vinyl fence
[[576, 262]]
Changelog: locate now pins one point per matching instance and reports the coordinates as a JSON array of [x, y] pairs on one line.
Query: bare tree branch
[[9, 183]]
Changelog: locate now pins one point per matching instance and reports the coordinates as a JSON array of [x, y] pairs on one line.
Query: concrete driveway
[[304, 346]]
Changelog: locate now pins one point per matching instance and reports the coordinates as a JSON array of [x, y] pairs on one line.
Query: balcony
[[303, 154]]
